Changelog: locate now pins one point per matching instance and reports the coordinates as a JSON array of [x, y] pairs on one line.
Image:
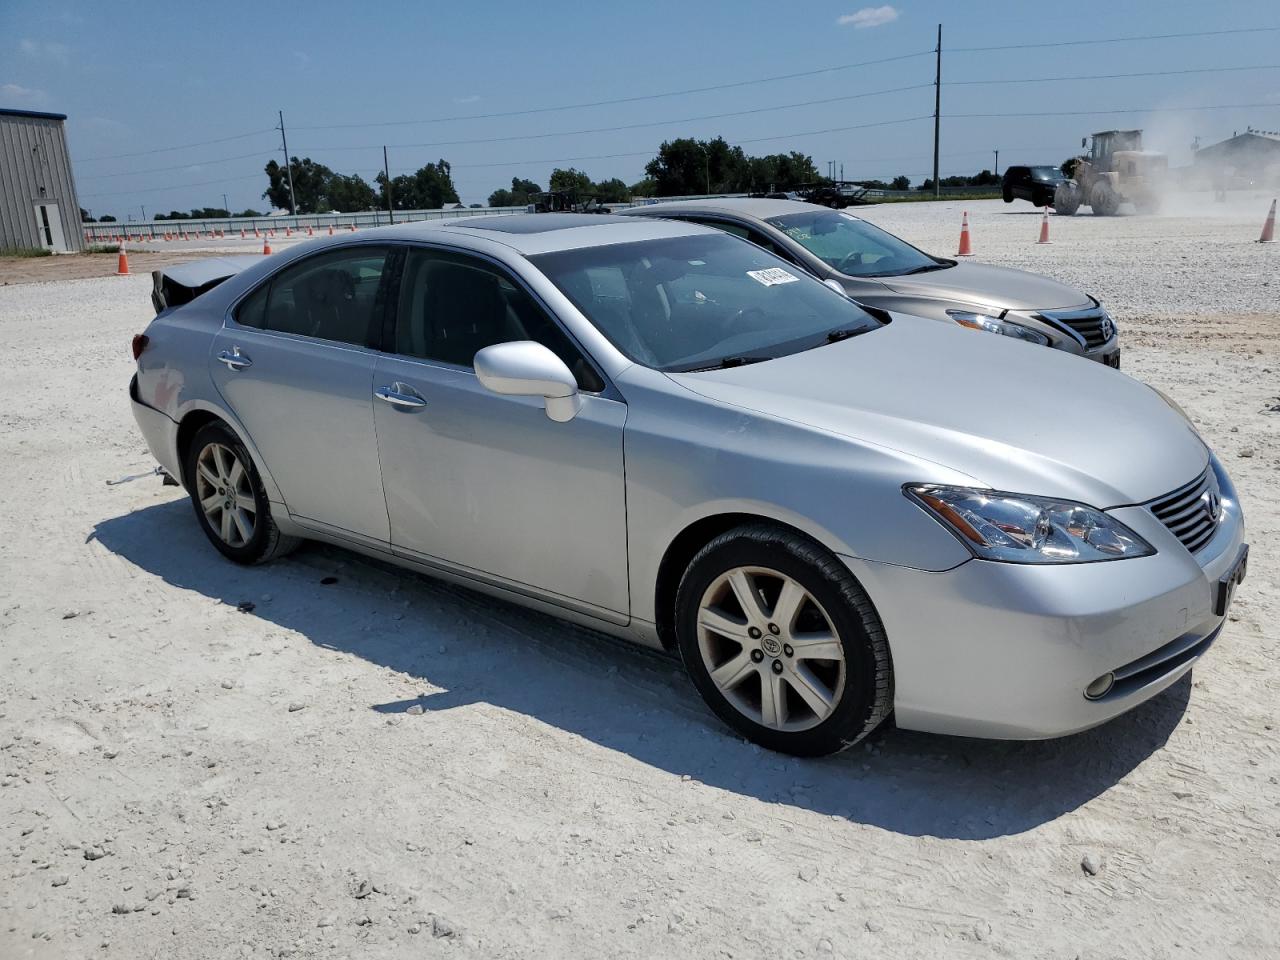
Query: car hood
[[1011, 415], [1001, 288]]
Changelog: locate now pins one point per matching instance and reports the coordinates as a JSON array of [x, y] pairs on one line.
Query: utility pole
[[226, 206], [143, 206], [386, 173], [937, 114], [293, 206], [996, 171]]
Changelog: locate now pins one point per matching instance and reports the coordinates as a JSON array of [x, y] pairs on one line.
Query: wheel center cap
[[771, 646]]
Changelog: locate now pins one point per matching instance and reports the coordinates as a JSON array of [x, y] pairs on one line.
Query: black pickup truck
[[1036, 184]]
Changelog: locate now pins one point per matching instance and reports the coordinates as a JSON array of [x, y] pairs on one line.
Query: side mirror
[[523, 368], [835, 285]]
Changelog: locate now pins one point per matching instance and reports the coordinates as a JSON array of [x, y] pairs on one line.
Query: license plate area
[[1230, 580]]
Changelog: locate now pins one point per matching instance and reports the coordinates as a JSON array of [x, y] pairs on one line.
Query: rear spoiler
[[183, 282]]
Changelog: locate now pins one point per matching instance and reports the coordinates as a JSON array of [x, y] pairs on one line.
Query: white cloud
[[44, 50], [11, 93], [869, 17]]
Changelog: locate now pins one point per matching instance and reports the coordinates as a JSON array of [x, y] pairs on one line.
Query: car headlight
[[983, 321], [1017, 528]]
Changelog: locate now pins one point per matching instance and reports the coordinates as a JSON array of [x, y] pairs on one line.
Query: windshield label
[[772, 276]]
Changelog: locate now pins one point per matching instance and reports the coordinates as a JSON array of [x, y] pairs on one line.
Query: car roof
[[760, 208], [535, 233]]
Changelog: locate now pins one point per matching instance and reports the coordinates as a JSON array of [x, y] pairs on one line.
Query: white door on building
[[49, 226]]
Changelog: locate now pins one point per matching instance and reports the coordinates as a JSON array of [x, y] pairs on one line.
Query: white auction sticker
[[772, 276]]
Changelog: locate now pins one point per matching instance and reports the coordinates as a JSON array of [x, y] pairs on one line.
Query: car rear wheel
[[782, 642], [230, 503]]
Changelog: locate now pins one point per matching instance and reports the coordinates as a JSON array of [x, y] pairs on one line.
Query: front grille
[[1191, 512], [1092, 326]]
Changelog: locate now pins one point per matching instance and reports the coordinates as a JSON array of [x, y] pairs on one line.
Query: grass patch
[[25, 252], [102, 248]]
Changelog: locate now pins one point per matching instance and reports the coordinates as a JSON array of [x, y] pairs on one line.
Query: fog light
[[1100, 687]]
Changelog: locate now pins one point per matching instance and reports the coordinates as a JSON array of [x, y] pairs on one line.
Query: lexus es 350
[[665, 432]]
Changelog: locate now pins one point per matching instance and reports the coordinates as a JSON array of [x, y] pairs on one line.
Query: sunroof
[[540, 222]]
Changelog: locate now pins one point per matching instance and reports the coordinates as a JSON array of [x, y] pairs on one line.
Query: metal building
[[38, 204]]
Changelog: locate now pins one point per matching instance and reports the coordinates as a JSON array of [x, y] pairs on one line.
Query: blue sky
[[143, 76]]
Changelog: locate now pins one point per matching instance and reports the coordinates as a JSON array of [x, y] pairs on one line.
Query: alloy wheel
[[770, 648], [225, 492]]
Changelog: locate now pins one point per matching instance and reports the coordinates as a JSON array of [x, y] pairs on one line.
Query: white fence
[[317, 222]]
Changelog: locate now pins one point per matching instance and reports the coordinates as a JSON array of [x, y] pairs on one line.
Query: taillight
[[140, 341]]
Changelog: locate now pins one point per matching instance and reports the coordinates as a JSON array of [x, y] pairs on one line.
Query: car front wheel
[[782, 642], [229, 500]]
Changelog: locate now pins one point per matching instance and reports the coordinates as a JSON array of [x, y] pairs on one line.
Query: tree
[[429, 188], [84, 216], [688, 166], [519, 195], [106, 218], [309, 181], [348, 193], [901, 182], [612, 191], [571, 181], [250, 212], [644, 188]]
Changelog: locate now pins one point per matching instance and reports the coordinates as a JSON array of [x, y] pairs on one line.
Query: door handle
[[402, 397], [234, 359]]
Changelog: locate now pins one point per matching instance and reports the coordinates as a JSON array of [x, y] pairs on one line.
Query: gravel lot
[[382, 765]]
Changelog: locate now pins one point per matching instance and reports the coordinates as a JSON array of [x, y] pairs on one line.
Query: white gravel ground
[[181, 779]]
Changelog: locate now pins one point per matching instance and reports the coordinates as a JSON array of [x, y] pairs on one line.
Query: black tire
[[867, 696], [1066, 201], [266, 542], [1007, 195]]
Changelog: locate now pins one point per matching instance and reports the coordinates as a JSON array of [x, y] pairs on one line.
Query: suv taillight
[[140, 341]]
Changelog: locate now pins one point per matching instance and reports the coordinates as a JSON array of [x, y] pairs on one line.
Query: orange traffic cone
[[256, 234], [122, 267], [331, 229], [310, 232], [242, 233], [288, 231], [966, 248], [266, 247], [353, 228], [1044, 228], [1269, 228]]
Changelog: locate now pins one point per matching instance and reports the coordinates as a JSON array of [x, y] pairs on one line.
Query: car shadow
[[479, 650]]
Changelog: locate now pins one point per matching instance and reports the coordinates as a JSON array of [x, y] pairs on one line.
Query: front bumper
[[1006, 650]]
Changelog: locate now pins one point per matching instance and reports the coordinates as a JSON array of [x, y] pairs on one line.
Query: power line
[[1114, 76], [1091, 113], [180, 166], [184, 146], [1081, 43], [620, 100], [175, 186], [636, 126]]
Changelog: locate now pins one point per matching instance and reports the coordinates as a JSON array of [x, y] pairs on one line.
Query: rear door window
[[339, 295]]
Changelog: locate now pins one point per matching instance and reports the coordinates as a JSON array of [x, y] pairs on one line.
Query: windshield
[[852, 246], [688, 303], [1046, 173]]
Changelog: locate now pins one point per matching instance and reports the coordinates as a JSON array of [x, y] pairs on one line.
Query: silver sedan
[[881, 270], [667, 433]]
